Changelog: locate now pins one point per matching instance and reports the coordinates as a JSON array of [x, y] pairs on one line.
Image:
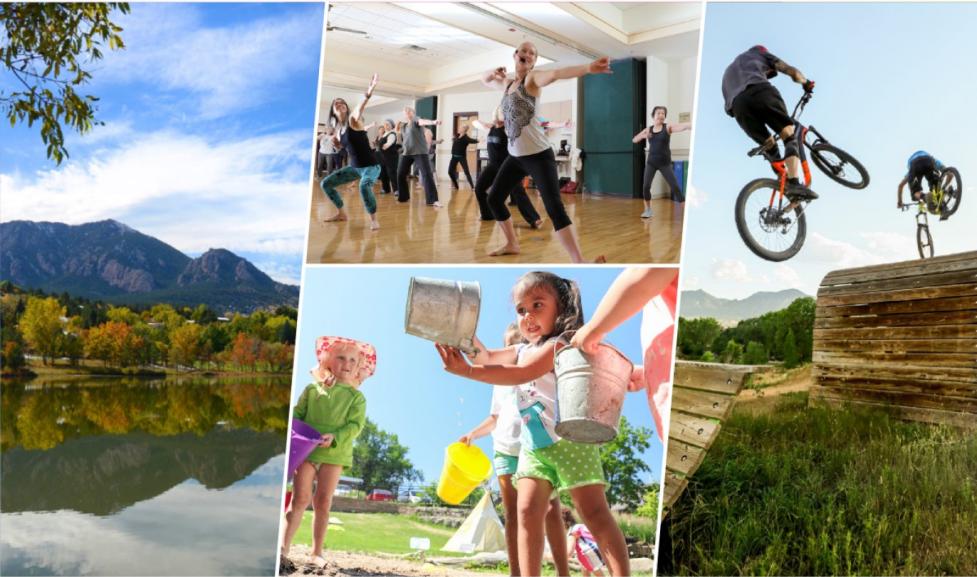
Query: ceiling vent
[[413, 48]]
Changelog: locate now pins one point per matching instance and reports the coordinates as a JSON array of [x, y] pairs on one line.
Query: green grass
[[816, 491]]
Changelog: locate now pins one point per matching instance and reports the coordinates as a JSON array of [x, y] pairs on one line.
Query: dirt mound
[[344, 564]]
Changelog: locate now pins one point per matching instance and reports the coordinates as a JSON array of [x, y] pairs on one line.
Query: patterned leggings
[[366, 175]]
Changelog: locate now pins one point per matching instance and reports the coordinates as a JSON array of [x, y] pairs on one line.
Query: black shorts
[[923, 167], [758, 107]]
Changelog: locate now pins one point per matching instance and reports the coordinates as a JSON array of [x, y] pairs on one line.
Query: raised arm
[[679, 127], [357, 114], [541, 78], [640, 136], [495, 79]]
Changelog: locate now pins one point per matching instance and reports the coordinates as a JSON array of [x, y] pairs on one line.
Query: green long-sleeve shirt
[[340, 410]]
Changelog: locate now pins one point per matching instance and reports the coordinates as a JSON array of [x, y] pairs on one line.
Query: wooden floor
[[415, 233]]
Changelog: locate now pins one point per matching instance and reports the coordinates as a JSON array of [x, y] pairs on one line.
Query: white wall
[[671, 84]]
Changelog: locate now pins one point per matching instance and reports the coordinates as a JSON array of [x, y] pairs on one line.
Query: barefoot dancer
[[529, 150], [416, 151], [498, 150], [362, 162], [659, 136]]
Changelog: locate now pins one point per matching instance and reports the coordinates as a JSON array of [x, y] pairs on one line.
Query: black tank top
[[357, 143], [498, 144], [659, 146]]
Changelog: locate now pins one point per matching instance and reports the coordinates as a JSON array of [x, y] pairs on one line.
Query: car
[[343, 491], [380, 495]]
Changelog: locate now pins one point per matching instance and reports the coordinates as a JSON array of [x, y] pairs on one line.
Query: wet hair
[[569, 314], [512, 335], [333, 117], [655, 109], [568, 519]]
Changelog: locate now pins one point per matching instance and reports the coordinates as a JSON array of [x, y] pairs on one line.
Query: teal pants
[[366, 175]]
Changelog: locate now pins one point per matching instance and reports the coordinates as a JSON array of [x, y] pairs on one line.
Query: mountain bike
[[772, 226], [943, 201]]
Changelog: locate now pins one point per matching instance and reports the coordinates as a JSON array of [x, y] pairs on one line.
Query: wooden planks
[[702, 397], [901, 336]]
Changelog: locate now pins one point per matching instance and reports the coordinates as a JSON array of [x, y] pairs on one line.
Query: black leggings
[[427, 177], [518, 194], [542, 167], [678, 195], [386, 179], [453, 170]]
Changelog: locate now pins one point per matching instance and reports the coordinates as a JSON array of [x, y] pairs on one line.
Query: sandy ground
[[344, 564]]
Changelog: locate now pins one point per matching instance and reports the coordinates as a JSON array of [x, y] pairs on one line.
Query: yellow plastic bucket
[[465, 467]]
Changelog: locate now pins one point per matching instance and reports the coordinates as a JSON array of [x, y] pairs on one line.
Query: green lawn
[[816, 491]]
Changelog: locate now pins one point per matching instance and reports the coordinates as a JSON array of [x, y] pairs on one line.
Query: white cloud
[[787, 276], [227, 69], [195, 194], [890, 246], [691, 282], [696, 198], [730, 269], [841, 254], [288, 273]]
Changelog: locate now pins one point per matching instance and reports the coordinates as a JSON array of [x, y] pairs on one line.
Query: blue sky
[[207, 141], [891, 79], [411, 394]]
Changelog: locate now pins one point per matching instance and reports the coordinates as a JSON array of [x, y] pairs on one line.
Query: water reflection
[[164, 478]]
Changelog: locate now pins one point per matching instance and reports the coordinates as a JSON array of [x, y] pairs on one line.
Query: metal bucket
[[443, 311], [590, 393]]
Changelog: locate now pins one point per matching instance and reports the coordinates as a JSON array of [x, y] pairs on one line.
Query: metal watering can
[[443, 311]]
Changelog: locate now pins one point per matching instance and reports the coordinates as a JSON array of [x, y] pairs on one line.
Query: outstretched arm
[[495, 79], [478, 124], [679, 127], [541, 78], [531, 367], [357, 114], [631, 290], [789, 70], [426, 122], [640, 136], [487, 356]]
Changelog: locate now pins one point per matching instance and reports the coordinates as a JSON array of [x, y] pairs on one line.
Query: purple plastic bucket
[[304, 440]]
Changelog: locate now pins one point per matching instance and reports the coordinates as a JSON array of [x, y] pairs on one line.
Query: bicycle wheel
[[839, 166], [767, 232], [924, 240], [952, 190]]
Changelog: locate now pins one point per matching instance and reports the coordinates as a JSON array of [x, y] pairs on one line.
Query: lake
[[164, 477]]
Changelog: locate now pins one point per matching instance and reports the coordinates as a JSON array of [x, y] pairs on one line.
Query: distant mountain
[[107, 260], [699, 303]]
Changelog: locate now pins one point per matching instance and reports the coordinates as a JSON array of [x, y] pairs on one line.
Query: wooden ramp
[[901, 336], [702, 397]]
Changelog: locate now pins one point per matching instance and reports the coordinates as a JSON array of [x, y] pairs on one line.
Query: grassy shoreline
[[86, 369]]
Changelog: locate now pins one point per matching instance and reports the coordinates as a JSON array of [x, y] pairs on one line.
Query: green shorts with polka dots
[[505, 464], [565, 464]]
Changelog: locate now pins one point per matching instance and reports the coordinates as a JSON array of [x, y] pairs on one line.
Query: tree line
[[786, 335], [66, 327]]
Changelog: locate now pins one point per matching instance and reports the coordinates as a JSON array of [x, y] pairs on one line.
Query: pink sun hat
[[323, 347]]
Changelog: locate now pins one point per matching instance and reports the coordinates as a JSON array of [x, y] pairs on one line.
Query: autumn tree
[[185, 344], [41, 326], [45, 52]]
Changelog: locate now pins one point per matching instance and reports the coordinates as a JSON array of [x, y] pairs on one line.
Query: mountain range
[[699, 303], [110, 261]]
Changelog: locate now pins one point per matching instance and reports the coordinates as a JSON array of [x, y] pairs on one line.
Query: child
[[546, 306], [655, 289], [505, 425], [582, 542], [335, 407]]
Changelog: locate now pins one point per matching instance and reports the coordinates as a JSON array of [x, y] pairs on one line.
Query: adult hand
[[500, 73], [373, 84], [437, 123], [899, 205], [327, 440], [586, 339], [453, 360], [600, 66], [808, 86]]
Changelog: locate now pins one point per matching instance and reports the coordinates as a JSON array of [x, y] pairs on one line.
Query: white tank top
[[536, 401], [526, 135]]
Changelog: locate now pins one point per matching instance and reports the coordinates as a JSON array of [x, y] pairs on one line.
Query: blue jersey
[[921, 154]]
